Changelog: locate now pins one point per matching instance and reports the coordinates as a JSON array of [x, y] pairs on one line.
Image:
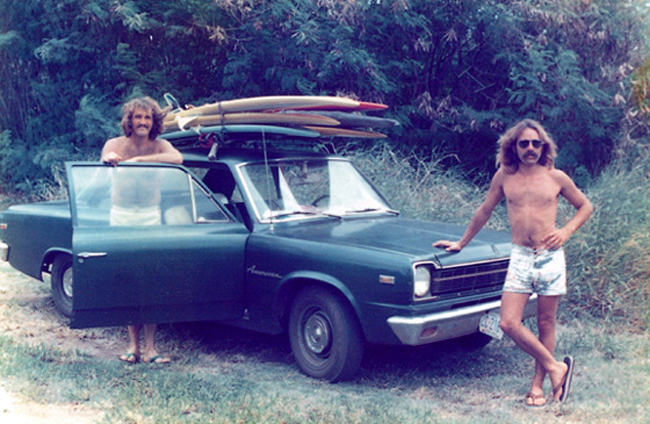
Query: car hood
[[402, 236]]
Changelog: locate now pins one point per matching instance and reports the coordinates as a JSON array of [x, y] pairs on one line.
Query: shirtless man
[[136, 203], [531, 186]]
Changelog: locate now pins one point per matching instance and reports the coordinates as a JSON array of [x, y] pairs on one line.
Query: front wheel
[[325, 336], [62, 282]]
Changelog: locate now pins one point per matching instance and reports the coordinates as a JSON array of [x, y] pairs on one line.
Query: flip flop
[[532, 399], [159, 359], [566, 386], [129, 357]]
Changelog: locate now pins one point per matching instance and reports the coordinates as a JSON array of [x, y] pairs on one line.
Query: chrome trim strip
[[88, 255], [483, 262]]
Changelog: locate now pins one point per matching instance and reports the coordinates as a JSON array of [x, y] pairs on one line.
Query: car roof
[[243, 155]]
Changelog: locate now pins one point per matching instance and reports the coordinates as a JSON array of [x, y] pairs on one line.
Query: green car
[[276, 242]]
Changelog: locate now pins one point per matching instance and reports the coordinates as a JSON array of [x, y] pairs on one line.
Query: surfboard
[[352, 120], [252, 104], [241, 129], [361, 106], [343, 132], [297, 119]]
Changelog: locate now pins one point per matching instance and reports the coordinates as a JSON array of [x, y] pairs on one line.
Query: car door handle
[[87, 255]]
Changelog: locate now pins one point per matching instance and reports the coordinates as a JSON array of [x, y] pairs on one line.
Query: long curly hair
[[148, 104], [507, 156]]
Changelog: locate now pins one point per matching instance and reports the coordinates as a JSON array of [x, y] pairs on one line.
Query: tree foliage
[[455, 73]]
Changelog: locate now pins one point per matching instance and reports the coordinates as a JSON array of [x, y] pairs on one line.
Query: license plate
[[489, 325]]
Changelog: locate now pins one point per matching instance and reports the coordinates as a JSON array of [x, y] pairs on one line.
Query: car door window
[[140, 195]]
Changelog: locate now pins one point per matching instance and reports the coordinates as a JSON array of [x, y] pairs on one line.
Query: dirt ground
[[15, 409], [28, 315]]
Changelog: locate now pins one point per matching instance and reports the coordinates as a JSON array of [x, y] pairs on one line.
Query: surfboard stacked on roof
[[296, 116]]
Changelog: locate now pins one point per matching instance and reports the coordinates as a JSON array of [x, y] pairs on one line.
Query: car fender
[[50, 254], [295, 281]]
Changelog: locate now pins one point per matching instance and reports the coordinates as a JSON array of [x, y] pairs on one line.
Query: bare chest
[[131, 151], [536, 192]]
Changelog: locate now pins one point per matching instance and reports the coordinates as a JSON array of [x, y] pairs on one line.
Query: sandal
[[158, 359], [566, 384], [535, 401], [129, 357]]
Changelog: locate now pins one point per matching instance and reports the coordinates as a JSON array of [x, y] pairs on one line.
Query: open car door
[[151, 245]]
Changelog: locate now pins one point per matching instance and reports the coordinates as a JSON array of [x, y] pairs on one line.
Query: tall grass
[[421, 188], [608, 259]]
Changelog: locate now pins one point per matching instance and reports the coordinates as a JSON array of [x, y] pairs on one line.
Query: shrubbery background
[[455, 73]]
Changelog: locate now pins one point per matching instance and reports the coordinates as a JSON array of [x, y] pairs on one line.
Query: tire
[[62, 284], [326, 339]]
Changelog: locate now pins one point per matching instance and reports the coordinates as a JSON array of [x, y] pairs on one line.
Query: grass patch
[[439, 383]]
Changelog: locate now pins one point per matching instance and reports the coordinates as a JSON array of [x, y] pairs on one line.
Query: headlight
[[422, 282]]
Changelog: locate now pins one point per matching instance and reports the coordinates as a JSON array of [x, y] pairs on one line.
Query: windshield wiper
[[391, 211], [284, 214]]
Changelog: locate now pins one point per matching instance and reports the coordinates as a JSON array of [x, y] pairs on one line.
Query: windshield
[[313, 187]]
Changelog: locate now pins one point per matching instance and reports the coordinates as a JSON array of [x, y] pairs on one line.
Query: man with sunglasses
[[528, 181]]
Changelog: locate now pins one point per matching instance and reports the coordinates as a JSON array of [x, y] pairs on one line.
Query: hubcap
[[67, 282], [318, 333]]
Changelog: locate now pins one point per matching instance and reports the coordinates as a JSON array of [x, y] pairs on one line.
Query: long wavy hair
[[507, 156], [148, 104]]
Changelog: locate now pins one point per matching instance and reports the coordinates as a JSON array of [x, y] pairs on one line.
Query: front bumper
[[446, 325]]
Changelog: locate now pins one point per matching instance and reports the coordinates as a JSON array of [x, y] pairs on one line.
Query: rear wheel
[[325, 336], [62, 283]]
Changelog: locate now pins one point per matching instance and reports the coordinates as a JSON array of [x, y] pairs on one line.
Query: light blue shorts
[[538, 271]]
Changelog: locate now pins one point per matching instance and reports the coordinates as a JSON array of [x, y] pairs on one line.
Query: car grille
[[480, 276]]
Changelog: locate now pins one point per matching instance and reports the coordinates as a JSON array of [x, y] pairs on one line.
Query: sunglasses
[[523, 144]]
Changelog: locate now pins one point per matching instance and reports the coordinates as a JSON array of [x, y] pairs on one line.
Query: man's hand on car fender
[[450, 246]]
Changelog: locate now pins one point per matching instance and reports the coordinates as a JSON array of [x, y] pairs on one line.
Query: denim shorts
[[538, 271]]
